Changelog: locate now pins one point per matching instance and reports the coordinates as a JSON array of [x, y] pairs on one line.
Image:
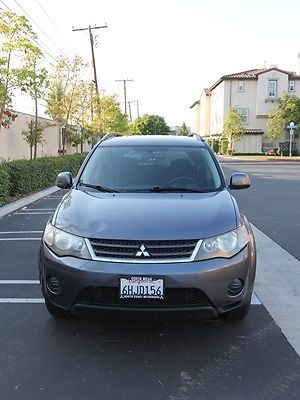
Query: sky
[[172, 49]]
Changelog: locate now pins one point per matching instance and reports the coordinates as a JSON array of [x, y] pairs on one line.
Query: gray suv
[[150, 228]]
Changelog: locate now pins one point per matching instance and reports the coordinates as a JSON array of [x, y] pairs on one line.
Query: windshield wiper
[[175, 189], [98, 187]]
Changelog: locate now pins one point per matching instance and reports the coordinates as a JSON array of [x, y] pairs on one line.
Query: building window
[[272, 88], [244, 113], [241, 86], [291, 86]]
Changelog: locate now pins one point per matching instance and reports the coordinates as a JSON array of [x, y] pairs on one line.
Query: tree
[[17, 40], [108, 117], [233, 129], [61, 101], [184, 130], [86, 100], [33, 135], [149, 125], [34, 84], [288, 110]]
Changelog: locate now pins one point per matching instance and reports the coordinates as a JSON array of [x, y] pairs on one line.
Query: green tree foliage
[[233, 129], [34, 84], [184, 130], [149, 125], [108, 117], [288, 110], [34, 135], [17, 41], [62, 100], [86, 100]]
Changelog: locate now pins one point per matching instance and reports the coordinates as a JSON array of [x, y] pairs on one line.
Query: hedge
[[25, 176]]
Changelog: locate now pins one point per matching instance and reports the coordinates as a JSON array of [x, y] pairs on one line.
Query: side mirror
[[64, 180], [239, 181]]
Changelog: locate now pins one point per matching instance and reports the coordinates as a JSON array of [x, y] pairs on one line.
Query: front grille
[[174, 297], [153, 249]]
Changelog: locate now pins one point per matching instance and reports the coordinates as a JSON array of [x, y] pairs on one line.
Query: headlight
[[223, 246], [65, 244]]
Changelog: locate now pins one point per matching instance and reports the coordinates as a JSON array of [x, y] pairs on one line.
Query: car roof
[[163, 140]]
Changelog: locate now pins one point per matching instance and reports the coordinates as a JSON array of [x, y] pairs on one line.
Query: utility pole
[[90, 28], [129, 108], [125, 94], [137, 108]]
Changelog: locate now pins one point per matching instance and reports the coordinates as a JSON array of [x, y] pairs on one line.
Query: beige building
[[14, 147], [253, 93]]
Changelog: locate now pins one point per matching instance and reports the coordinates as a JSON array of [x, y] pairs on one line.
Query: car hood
[[146, 216]]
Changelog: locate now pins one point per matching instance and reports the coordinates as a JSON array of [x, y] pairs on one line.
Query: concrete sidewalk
[[15, 205]]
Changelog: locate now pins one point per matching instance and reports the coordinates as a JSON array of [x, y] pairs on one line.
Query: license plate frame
[[142, 287]]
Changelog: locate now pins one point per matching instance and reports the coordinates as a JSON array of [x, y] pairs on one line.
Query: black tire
[[238, 313], [55, 311]]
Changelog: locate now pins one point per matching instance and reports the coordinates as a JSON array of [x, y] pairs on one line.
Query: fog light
[[53, 285], [235, 287]]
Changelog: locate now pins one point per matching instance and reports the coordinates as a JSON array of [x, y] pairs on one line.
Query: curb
[[15, 205], [253, 159]]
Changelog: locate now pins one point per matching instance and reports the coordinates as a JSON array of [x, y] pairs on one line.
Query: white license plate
[[141, 287]]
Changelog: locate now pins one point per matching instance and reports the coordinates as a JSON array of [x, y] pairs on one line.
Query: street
[[86, 357]]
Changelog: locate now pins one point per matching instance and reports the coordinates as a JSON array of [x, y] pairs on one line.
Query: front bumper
[[211, 277]]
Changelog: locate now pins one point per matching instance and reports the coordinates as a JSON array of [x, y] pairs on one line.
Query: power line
[[36, 24], [55, 26], [40, 45], [89, 28]]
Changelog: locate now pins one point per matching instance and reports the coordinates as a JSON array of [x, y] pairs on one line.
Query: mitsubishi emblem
[[142, 252]]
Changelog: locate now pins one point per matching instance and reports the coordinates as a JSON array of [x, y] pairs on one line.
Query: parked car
[[149, 227]]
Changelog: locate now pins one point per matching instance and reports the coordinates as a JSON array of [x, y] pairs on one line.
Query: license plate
[[139, 287]]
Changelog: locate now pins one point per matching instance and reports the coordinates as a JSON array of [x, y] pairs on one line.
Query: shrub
[[224, 146], [215, 146], [4, 185], [26, 176]]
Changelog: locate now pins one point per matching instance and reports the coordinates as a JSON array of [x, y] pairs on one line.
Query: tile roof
[[253, 74]]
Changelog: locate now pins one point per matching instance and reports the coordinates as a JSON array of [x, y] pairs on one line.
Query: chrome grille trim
[[143, 260]]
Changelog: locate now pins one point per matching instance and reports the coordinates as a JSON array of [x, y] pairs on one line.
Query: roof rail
[[110, 135], [197, 135]]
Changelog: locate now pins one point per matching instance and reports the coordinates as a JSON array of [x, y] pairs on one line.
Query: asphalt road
[[90, 358], [272, 203]]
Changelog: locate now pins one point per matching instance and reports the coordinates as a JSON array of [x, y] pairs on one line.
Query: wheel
[[238, 313], [55, 311]]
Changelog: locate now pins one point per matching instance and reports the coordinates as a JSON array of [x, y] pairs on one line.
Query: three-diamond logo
[[142, 252]]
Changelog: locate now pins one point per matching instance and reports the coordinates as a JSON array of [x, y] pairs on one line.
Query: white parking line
[[16, 300], [38, 209], [18, 232], [16, 239], [19, 282], [33, 213]]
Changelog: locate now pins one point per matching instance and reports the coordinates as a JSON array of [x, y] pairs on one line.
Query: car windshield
[[151, 168]]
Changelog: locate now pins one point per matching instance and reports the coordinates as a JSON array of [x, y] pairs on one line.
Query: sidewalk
[[15, 205], [259, 158]]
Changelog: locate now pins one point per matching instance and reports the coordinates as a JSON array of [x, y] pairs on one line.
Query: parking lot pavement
[[91, 358]]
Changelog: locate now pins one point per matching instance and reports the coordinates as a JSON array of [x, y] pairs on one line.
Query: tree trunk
[[35, 126], [5, 90]]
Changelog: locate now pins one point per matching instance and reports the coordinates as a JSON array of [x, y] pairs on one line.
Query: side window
[[241, 86], [272, 88], [291, 86], [244, 113]]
